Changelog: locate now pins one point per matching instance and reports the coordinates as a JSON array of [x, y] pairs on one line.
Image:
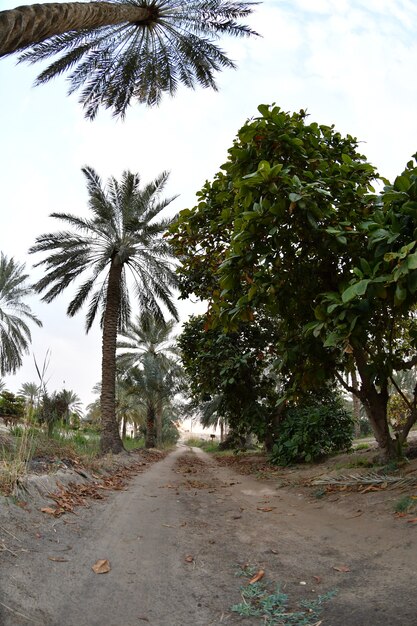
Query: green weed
[[273, 607], [405, 504]]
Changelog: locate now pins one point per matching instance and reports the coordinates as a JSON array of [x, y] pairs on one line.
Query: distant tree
[[72, 405], [121, 50], [147, 335], [230, 376], [15, 336], [52, 408], [147, 344], [122, 233], [31, 393], [12, 407]]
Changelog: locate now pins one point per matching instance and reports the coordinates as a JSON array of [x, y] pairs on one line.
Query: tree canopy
[[123, 50], [292, 225]]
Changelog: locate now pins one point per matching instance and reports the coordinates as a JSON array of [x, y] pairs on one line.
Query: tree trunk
[[221, 430], [356, 403], [27, 25], [158, 424], [375, 403], [272, 428], [110, 438], [150, 439], [124, 428]]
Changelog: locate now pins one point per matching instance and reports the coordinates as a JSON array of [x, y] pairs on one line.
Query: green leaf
[[412, 261], [319, 313], [402, 183], [358, 289], [295, 197], [332, 340], [264, 110], [400, 295], [412, 282]]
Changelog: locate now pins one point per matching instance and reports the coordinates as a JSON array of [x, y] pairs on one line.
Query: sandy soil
[[176, 537]]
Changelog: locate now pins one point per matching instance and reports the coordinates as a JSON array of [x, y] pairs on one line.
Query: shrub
[[318, 425]]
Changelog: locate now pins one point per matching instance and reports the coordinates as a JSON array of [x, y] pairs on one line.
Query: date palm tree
[[15, 336], [147, 335], [123, 232], [125, 49], [147, 347]]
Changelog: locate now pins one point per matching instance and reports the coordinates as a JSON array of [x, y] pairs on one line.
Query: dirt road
[[177, 536]]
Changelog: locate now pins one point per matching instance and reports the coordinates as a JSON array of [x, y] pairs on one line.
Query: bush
[[317, 426]]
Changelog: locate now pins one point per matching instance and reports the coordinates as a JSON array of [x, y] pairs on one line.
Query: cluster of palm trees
[[118, 250]]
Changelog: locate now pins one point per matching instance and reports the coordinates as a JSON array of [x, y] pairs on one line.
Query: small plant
[[133, 444], [204, 444], [14, 463], [405, 504], [355, 463], [362, 446], [273, 607]]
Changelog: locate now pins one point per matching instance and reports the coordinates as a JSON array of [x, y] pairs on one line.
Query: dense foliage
[[292, 227], [229, 373], [317, 426]]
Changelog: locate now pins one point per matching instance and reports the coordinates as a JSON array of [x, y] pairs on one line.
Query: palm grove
[[310, 275]]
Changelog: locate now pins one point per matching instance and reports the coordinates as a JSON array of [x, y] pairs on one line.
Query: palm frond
[[115, 64]]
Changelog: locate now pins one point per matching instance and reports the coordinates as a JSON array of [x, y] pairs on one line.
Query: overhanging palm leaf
[[130, 49], [123, 232]]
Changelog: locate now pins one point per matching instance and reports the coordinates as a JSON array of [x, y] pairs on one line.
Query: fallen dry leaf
[[49, 510], [58, 559], [266, 509], [412, 520], [102, 566], [318, 579], [258, 576], [189, 558], [341, 568]]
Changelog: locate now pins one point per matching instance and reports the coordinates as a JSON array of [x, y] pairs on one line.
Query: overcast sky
[[351, 63]]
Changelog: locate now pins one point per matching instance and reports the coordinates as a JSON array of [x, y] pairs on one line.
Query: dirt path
[[175, 539]]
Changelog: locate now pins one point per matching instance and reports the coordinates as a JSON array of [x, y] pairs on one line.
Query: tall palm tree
[[15, 336], [124, 49], [122, 233]]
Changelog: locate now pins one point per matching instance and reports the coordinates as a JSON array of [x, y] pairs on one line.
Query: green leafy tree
[[123, 50], [122, 233], [15, 336], [230, 377], [12, 407], [379, 302], [279, 226]]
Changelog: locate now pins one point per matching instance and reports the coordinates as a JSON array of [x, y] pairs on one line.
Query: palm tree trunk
[[110, 438], [150, 439], [27, 25]]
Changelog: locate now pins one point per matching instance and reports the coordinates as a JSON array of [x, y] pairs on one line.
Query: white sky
[[348, 62]]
